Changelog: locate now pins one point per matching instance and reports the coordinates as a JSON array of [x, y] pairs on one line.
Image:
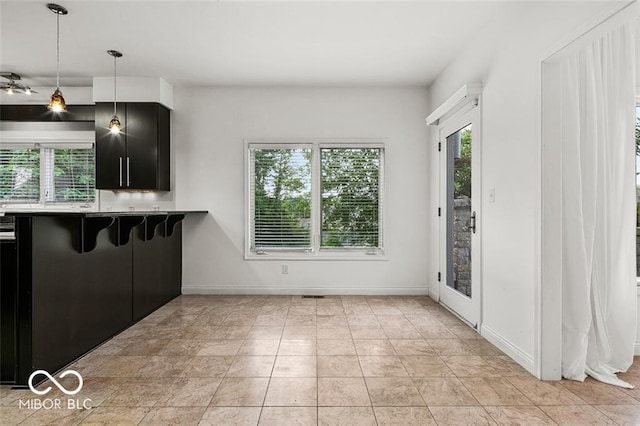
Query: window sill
[[317, 257]]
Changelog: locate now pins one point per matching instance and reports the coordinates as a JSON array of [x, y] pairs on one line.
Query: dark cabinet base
[[59, 303]]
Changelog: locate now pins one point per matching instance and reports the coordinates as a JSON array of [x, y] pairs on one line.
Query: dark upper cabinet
[[137, 158]]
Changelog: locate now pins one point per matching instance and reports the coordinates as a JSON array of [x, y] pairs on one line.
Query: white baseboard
[[636, 349], [514, 352], [320, 291]]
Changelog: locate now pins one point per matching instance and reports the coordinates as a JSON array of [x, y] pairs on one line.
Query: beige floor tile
[[505, 366], [494, 391], [519, 415], [144, 347], [14, 415], [403, 416], [259, 347], [425, 366], [342, 392], [598, 393], [297, 347], [295, 366], [241, 392], [264, 333], [346, 416], [290, 416], [300, 320], [183, 416], [207, 366], [302, 309], [450, 347], [336, 347], [483, 347], [222, 347], [339, 366], [545, 392], [329, 309], [382, 366], [622, 414], [237, 416], [470, 366], [287, 392], [367, 332], [461, 416], [164, 366], [278, 319], [251, 366], [444, 391], [333, 332], [120, 366], [109, 416], [139, 394], [412, 347], [576, 415], [181, 347], [393, 392], [299, 332], [196, 392], [464, 332], [374, 347], [63, 417], [237, 332]]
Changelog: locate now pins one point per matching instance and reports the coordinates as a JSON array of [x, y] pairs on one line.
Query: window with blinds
[[44, 175], [351, 202], [19, 175], [315, 197], [281, 198], [69, 175]]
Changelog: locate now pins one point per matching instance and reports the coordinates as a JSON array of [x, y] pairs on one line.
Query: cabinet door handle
[[120, 174], [128, 171]]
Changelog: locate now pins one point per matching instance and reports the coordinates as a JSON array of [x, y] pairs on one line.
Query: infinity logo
[[62, 388]]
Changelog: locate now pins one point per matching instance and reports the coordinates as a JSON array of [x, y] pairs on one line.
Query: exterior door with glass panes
[[460, 215]]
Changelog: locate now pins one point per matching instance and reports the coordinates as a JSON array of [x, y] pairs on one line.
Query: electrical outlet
[[285, 268]]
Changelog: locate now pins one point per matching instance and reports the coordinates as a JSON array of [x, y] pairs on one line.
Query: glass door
[[459, 289]]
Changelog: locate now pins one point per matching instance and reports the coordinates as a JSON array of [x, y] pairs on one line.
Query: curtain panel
[[599, 197]]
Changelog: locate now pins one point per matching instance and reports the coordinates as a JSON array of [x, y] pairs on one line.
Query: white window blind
[[69, 175], [280, 189], [19, 175], [52, 173], [351, 182], [315, 198]]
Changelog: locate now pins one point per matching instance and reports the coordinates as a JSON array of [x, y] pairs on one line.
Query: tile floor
[[270, 360]]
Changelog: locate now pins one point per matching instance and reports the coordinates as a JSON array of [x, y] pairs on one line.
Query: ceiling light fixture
[[114, 124], [13, 84], [57, 103]]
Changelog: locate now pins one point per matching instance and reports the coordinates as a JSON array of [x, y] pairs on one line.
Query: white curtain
[[598, 184]]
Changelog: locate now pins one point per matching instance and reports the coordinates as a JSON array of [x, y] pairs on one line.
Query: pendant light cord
[[115, 82], [58, 50]]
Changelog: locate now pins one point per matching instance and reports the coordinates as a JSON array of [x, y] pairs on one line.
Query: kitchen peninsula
[[70, 281]]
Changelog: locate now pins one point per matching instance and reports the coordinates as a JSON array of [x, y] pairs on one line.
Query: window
[[45, 175], [315, 198]]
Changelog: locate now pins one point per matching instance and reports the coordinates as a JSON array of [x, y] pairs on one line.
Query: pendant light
[[114, 124], [57, 103]]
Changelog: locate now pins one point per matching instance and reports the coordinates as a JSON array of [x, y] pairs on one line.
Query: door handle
[[472, 226], [120, 172], [128, 171]]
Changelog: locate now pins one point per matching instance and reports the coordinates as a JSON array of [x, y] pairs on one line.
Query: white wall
[[211, 125], [507, 59]]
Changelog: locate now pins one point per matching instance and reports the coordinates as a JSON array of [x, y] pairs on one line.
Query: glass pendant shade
[[57, 103], [114, 125]]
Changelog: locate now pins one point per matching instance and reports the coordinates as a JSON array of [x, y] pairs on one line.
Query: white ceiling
[[245, 43]]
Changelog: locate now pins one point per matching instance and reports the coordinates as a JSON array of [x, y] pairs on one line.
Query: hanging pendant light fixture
[[114, 124], [57, 103]]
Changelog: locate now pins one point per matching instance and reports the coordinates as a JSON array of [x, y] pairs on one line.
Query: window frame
[[43, 203], [316, 252]]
